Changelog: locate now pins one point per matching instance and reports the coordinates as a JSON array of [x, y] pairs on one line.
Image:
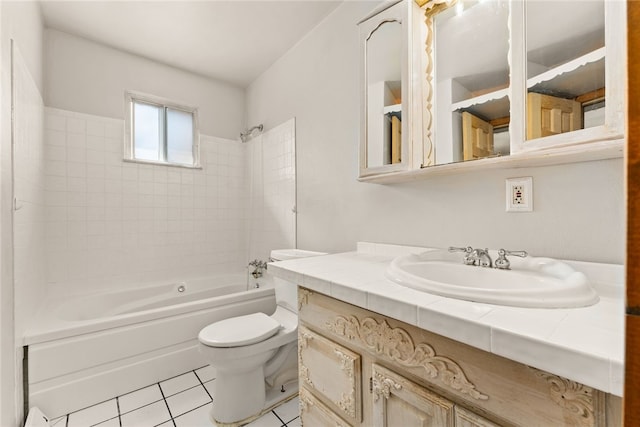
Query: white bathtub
[[88, 348]]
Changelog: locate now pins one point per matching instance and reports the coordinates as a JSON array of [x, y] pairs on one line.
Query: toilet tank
[[287, 292]]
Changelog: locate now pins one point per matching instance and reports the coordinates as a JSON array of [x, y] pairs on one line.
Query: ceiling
[[233, 41]]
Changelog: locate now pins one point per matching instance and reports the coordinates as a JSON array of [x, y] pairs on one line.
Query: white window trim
[[131, 96]]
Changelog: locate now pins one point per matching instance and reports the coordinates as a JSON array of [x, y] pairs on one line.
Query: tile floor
[[181, 401]]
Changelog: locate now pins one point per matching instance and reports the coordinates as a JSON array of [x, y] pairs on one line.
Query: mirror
[[471, 81], [384, 94], [565, 66], [385, 125]]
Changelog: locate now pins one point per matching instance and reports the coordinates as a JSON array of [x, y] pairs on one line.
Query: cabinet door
[[400, 402], [332, 373], [314, 413], [549, 115], [477, 137], [466, 418]]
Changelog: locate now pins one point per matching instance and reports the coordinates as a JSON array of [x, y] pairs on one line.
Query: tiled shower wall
[[272, 187], [29, 226], [113, 223]]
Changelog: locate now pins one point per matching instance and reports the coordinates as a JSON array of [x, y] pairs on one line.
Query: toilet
[[255, 356]]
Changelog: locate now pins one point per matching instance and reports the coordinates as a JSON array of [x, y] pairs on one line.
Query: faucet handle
[[466, 250], [503, 263]]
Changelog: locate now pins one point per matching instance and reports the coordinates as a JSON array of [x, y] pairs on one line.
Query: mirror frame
[[431, 9], [394, 11]]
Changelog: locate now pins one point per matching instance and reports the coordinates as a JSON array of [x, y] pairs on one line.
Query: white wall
[[579, 208], [88, 77], [22, 22]]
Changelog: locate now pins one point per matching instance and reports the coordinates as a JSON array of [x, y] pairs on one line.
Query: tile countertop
[[582, 344]]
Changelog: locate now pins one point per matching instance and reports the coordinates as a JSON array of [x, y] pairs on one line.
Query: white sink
[[531, 282]]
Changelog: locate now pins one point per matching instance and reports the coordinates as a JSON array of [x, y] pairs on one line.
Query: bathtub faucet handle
[[258, 267]]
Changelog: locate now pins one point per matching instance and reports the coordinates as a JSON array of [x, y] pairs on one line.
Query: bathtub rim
[[47, 327]]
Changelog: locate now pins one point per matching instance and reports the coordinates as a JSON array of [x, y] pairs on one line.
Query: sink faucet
[[479, 257]]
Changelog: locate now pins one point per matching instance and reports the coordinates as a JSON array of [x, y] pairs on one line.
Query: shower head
[[244, 136]]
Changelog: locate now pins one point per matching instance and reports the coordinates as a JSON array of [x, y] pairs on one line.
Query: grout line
[[281, 420], [190, 410], [118, 406], [167, 405], [201, 383], [143, 406]]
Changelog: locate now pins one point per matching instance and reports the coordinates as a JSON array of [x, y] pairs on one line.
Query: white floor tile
[[147, 416], [288, 410], [206, 374], [295, 423], [113, 422], [178, 384], [209, 387], [139, 398], [59, 422], [167, 424], [93, 414], [196, 418], [267, 420], [187, 400]]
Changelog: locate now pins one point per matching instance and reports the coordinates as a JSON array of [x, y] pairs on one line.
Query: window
[[160, 131]]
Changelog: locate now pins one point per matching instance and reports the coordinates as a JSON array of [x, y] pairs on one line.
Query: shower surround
[[110, 222]]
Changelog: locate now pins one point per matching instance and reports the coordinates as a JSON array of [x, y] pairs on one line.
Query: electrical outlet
[[520, 194]]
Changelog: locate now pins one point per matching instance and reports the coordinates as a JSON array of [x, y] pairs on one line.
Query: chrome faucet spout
[[481, 257]]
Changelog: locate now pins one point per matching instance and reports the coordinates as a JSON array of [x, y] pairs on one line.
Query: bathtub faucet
[[259, 267]]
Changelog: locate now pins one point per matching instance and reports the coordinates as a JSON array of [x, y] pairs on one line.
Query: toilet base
[[274, 398]]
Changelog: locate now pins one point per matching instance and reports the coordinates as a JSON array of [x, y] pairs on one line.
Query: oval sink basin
[[531, 282]]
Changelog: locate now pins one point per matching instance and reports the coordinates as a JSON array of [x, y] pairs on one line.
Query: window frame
[[156, 101]]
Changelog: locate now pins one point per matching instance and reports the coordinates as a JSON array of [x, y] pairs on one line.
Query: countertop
[[582, 344]]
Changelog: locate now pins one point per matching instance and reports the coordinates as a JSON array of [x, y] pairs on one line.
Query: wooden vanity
[[360, 368], [375, 353]]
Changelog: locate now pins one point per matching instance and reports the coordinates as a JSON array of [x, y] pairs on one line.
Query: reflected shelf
[[573, 78]]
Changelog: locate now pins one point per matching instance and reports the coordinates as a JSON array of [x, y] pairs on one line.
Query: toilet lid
[[239, 331]]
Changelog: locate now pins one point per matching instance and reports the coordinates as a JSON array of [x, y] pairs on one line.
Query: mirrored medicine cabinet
[[449, 85]]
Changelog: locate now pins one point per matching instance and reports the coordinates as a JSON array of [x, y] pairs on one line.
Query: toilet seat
[[239, 331]]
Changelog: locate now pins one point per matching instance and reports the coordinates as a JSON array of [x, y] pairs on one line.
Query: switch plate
[[520, 194]]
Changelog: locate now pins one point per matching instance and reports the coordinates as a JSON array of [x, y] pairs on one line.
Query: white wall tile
[[122, 220]]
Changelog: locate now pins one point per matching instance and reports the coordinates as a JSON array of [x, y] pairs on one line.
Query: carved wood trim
[[303, 343], [397, 345], [347, 402], [577, 399], [431, 8], [303, 297], [382, 386]]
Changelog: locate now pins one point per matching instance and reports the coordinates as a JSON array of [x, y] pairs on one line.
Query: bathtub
[[84, 349]]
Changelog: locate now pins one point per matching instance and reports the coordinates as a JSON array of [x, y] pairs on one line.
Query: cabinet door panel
[[400, 402], [331, 372], [466, 418], [314, 413]]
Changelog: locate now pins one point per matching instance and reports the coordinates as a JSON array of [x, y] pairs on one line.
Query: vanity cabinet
[[501, 83], [359, 368]]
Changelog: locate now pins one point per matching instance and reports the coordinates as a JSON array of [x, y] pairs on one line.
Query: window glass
[[147, 128], [161, 131], [179, 137]]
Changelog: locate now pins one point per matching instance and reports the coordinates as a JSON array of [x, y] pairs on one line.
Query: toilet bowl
[[255, 356]]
